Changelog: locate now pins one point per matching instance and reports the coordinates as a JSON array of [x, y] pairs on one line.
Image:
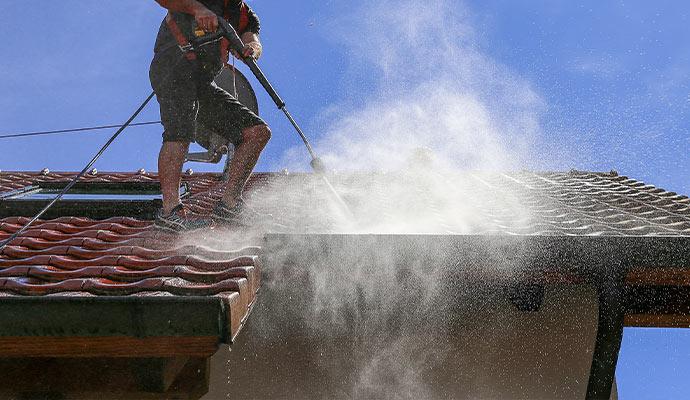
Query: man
[[187, 95]]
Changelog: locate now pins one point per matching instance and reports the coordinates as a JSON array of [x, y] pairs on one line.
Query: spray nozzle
[[318, 165]]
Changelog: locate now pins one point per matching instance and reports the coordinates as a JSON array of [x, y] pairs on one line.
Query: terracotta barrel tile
[[78, 221], [210, 277], [140, 263], [158, 254], [128, 221], [118, 274], [128, 230], [39, 244], [111, 288], [200, 251], [55, 236], [186, 288], [16, 220], [86, 254], [172, 285], [36, 260], [27, 289], [71, 263], [211, 254], [71, 294], [109, 236], [57, 275], [15, 271], [96, 244], [8, 227], [221, 265], [129, 261], [15, 252], [95, 225]]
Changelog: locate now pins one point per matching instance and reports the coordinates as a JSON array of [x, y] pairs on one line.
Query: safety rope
[[234, 84]]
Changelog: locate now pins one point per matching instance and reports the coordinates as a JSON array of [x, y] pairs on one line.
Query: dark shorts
[[188, 97]]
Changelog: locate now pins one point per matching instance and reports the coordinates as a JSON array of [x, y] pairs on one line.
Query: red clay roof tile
[[123, 256]]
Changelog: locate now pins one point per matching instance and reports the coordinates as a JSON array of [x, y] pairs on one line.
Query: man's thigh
[[176, 92], [221, 113]]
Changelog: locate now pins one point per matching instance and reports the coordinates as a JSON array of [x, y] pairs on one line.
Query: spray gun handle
[[205, 39], [226, 30], [236, 44]]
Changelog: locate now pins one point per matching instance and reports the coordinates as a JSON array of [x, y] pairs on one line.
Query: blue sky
[[546, 85]]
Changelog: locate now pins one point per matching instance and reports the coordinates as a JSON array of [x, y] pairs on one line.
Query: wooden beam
[[657, 321], [659, 276], [194, 378], [657, 306], [31, 346], [93, 378], [156, 374]]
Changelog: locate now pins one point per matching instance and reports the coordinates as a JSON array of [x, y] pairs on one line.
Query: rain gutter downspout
[[610, 288]]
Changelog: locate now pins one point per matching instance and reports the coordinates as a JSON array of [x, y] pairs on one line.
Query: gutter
[[137, 317]]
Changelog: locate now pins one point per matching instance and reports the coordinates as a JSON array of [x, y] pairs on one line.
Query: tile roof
[[517, 203], [122, 256]]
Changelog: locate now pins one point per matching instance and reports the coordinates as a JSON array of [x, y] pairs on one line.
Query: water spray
[[225, 30]]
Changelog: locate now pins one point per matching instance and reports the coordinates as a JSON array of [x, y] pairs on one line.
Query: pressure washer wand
[[228, 32]]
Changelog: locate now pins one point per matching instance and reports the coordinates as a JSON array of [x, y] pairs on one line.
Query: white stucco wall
[[482, 348]]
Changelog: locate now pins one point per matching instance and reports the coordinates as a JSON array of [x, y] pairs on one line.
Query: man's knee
[[259, 134], [170, 147]]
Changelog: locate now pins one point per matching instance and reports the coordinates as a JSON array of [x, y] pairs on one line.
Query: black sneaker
[[239, 215], [180, 219]]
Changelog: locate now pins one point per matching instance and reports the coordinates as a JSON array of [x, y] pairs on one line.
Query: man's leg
[[174, 217], [221, 113], [170, 161], [254, 139]]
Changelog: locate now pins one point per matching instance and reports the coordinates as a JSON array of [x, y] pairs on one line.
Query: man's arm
[[252, 45], [250, 37], [206, 19]]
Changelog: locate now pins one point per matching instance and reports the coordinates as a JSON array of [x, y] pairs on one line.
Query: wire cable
[[92, 128]]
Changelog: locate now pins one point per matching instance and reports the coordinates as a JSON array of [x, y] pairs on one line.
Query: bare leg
[[246, 156], [170, 161]]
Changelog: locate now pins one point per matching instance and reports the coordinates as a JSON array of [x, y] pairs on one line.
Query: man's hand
[[207, 20], [252, 47], [251, 50]]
